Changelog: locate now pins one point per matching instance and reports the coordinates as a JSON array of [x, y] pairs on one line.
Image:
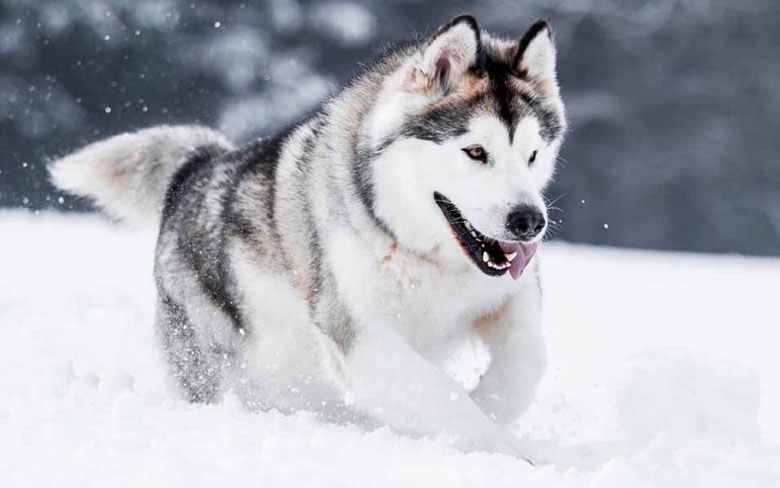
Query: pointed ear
[[535, 56], [447, 56]]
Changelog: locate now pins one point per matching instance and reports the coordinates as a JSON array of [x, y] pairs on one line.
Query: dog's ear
[[444, 60], [535, 56]]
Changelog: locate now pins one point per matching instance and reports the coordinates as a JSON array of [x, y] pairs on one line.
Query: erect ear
[[447, 56], [535, 56]]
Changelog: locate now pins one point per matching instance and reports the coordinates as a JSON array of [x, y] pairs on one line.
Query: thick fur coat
[[338, 265]]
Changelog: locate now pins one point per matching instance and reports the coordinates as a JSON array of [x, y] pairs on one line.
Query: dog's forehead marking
[[494, 93], [500, 92], [490, 129], [492, 86], [510, 95]]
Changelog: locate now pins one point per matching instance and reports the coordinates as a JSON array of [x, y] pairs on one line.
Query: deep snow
[[663, 372]]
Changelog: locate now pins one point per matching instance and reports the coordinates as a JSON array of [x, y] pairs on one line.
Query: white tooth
[[473, 234], [485, 256], [510, 257], [468, 225]]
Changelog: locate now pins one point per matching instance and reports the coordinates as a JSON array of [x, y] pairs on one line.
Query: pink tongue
[[524, 254]]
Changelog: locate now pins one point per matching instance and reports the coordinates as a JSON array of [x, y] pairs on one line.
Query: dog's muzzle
[[494, 257]]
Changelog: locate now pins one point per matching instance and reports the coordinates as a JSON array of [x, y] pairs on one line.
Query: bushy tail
[[128, 174]]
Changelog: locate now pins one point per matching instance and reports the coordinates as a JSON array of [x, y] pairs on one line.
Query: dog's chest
[[419, 298]]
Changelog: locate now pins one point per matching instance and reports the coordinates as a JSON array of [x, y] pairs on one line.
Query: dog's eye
[[532, 158], [476, 152]]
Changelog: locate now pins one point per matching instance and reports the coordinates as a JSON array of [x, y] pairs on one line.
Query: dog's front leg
[[515, 338], [384, 377]]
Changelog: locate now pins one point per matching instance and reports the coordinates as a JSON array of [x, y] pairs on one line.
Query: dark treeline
[[673, 104]]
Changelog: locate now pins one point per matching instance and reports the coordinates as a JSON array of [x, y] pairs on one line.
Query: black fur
[[440, 124], [361, 177], [203, 248], [502, 95], [550, 124], [259, 160], [199, 157], [197, 376]]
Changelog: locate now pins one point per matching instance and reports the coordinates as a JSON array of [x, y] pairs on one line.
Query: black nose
[[525, 222]]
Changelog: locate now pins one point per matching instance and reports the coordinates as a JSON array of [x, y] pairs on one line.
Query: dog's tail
[[128, 174]]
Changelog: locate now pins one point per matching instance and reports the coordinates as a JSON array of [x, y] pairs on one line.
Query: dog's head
[[464, 134]]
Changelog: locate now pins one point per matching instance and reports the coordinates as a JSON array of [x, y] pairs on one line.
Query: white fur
[[518, 357], [408, 327], [539, 57], [394, 383], [128, 174], [282, 351], [404, 184]]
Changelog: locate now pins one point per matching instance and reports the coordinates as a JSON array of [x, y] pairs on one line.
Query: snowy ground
[[664, 372]]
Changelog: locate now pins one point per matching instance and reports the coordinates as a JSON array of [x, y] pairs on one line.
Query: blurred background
[[673, 104]]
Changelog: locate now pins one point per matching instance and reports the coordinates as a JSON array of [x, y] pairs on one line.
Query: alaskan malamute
[[338, 265]]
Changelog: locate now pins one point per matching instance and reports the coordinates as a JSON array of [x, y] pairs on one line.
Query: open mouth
[[494, 257]]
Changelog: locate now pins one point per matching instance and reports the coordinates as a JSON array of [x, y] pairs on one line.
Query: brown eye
[[532, 158], [476, 152]]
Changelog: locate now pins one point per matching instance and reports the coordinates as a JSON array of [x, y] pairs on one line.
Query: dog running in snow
[[337, 265]]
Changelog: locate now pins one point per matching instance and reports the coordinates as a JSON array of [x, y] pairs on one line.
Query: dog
[[337, 265]]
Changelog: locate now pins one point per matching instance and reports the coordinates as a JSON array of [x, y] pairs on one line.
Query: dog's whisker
[[550, 204]]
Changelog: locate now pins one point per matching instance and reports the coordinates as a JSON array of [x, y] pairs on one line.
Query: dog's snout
[[525, 222]]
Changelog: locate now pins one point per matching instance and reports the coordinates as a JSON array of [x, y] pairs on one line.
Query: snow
[[663, 372]]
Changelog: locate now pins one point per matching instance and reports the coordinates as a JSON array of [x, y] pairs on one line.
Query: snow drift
[[663, 372]]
